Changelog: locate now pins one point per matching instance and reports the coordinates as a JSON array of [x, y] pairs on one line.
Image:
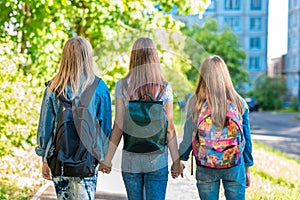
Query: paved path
[[278, 130], [111, 187]]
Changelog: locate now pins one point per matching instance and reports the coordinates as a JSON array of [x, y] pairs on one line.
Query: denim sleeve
[[104, 114], [46, 124], [248, 142], [185, 146]]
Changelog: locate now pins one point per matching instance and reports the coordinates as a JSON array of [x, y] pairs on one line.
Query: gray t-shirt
[[144, 162]]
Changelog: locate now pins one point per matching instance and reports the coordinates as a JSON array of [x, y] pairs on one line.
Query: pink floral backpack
[[218, 148]]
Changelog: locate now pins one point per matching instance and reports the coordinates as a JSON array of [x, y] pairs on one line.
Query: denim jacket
[[100, 107], [185, 146]]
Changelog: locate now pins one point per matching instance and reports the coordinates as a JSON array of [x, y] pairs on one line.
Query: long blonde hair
[[76, 65], [144, 76], [215, 87]]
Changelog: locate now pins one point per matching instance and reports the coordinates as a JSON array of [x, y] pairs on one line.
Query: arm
[[171, 133], [46, 125], [185, 146], [115, 138], [247, 154], [105, 117], [177, 167], [248, 142], [45, 130]]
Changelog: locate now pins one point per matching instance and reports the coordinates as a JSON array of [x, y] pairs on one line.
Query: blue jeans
[[75, 187], [147, 186], [233, 179]]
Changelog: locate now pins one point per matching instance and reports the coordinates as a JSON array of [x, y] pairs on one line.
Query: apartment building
[[292, 69]]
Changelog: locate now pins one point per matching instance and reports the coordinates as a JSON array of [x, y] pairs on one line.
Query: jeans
[[233, 179], [75, 187], [146, 186]]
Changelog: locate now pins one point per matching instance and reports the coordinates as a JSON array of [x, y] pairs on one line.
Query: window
[[254, 62], [255, 43], [294, 21], [294, 41], [255, 23], [233, 23], [294, 59], [212, 6], [232, 4], [255, 4]]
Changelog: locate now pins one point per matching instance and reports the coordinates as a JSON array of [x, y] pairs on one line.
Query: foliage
[[32, 36], [269, 92], [18, 103], [295, 103], [9, 190], [211, 39]]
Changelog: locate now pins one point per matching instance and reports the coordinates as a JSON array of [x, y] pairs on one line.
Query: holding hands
[[105, 167], [177, 169]]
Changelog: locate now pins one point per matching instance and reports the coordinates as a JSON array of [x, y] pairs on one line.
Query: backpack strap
[[88, 93], [86, 96], [66, 102]]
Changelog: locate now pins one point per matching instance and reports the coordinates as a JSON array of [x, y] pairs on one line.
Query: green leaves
[[33, 33], [269, 92], [214, 40]]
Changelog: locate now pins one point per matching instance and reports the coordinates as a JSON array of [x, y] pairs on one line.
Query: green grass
[[9, 190], [275, 175], [288, 110]]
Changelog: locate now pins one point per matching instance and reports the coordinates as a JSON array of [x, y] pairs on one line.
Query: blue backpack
[[69, 155]]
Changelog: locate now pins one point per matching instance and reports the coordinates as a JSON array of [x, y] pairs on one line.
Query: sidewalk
[[111, 186]]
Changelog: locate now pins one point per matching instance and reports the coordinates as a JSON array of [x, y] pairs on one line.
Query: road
[[278, 130]]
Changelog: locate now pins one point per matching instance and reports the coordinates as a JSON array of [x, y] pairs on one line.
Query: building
[[276, 66], [248, 19], [292, 70]]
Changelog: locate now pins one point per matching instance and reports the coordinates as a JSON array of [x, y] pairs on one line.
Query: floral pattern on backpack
[[218, 148]]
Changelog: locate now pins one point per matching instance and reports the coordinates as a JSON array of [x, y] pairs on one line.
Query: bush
[[269, 92], [295, 103], [19, 105]]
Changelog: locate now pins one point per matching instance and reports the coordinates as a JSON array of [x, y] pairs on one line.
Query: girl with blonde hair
[[74, 77], [144, 174], [214, 91]]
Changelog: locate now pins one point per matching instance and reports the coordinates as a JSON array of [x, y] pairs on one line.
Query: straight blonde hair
[[144, 76], [76, 66], [215, 87]]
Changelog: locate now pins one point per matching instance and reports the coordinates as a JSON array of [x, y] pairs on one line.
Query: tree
[[269, 92], [213, 40], [33, 33]]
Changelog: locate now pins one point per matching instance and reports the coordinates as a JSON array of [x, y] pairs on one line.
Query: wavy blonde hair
[[76, 65], [144, 76], [215, 87]]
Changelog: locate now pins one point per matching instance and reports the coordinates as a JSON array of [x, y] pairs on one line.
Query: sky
[[277, 30]]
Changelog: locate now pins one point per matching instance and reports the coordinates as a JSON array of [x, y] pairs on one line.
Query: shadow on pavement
[[109, 196]]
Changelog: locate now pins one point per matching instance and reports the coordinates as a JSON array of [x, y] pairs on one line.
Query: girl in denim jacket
[[74, 76], [214, 89]]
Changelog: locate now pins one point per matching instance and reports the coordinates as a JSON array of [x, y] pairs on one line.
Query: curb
[[40, 191]]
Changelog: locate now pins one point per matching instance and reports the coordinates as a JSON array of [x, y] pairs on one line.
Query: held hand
[[105, 167], [177, 169], [247, 177], [46, 171]]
